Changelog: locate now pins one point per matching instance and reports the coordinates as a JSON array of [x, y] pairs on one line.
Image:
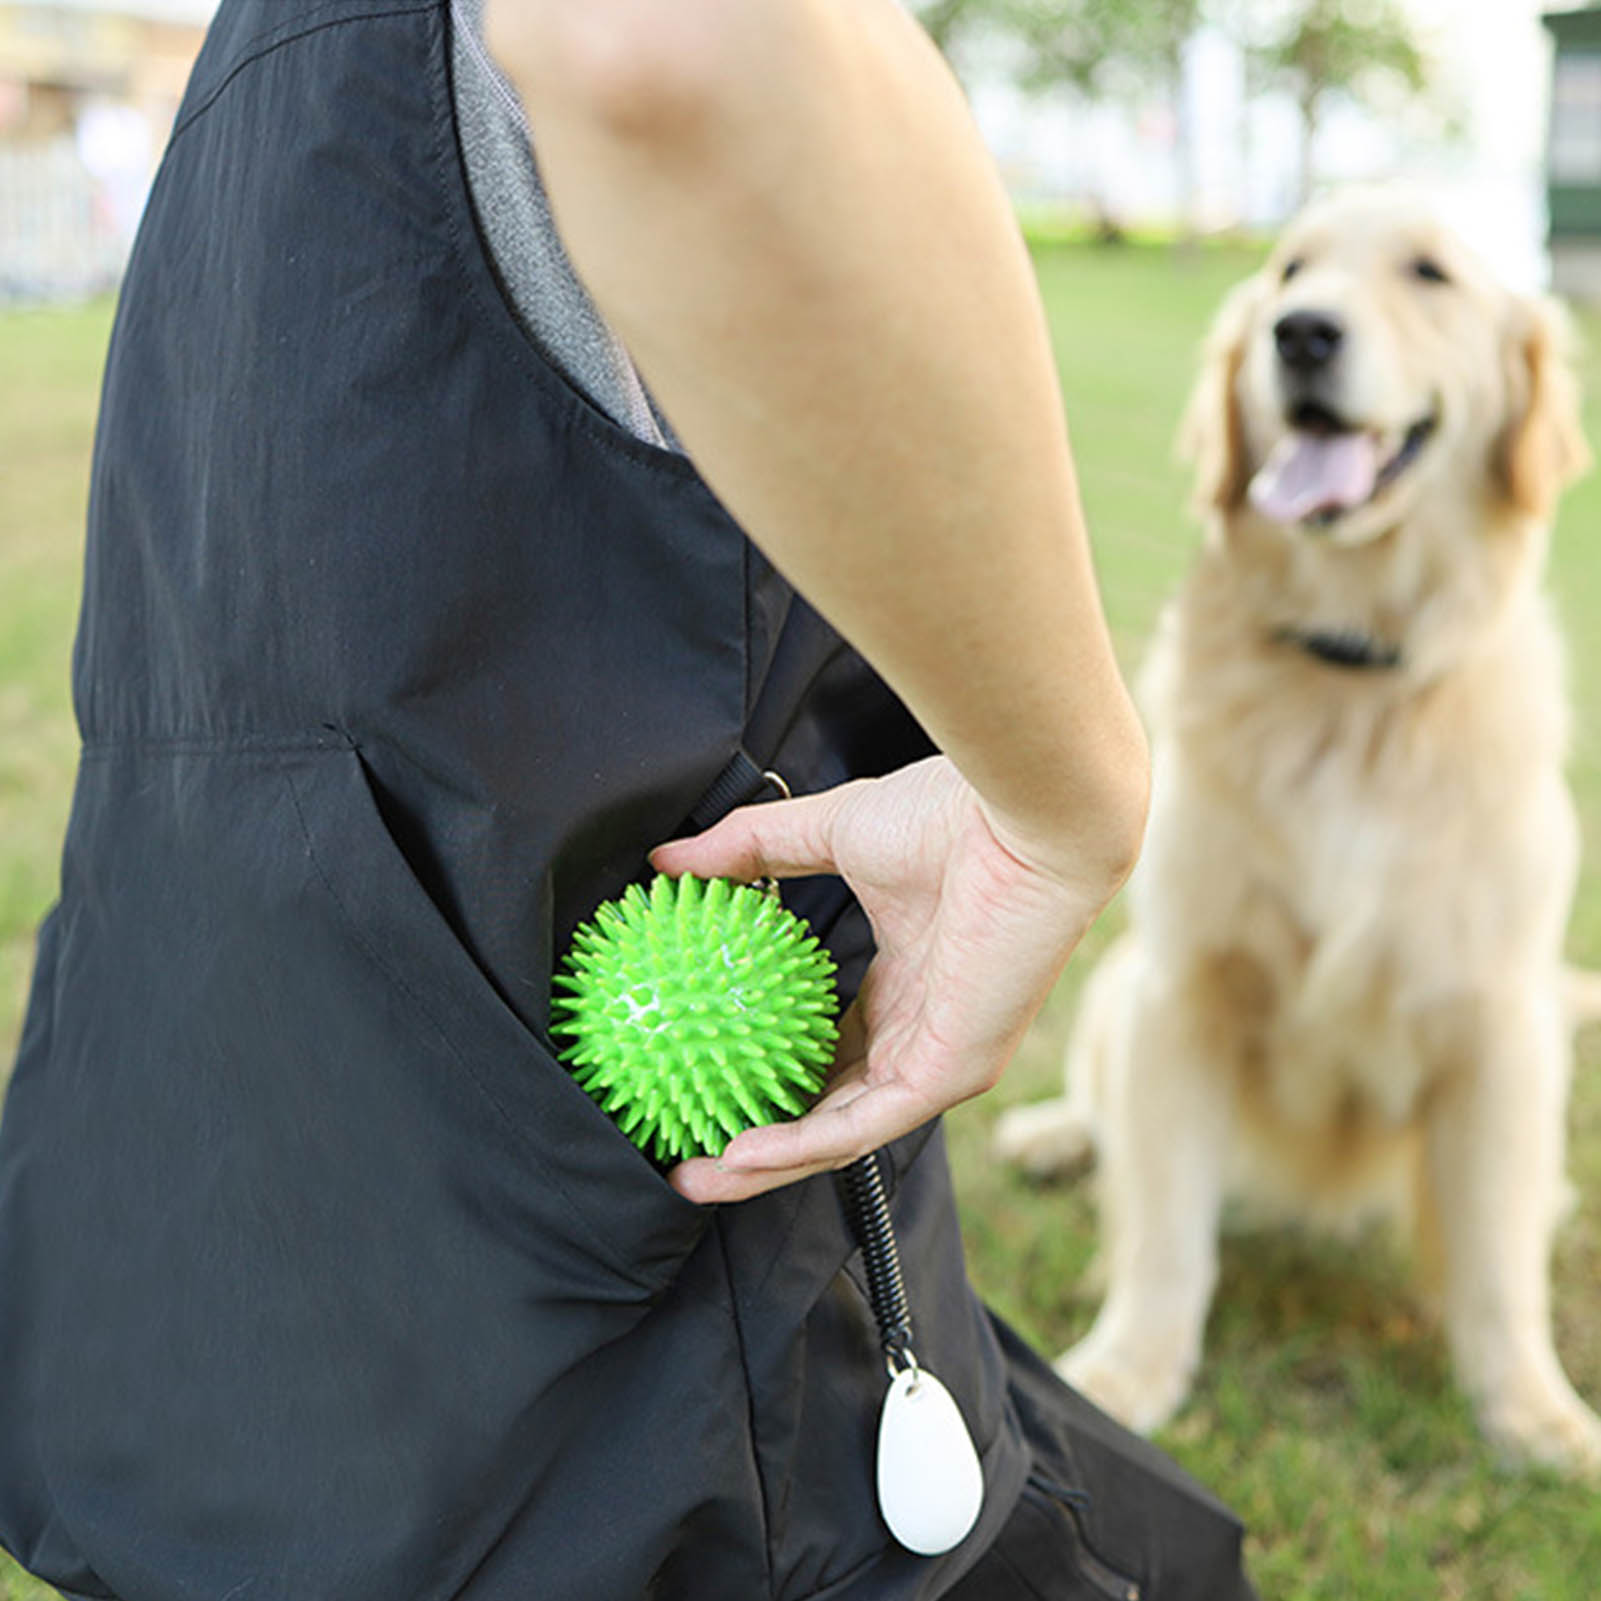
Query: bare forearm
[[784, 210]]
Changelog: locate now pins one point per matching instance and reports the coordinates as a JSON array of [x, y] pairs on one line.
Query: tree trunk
[[1184, 156], [1309, 104]]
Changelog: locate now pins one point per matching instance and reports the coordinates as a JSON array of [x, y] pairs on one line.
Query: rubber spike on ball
[[695, 1011]]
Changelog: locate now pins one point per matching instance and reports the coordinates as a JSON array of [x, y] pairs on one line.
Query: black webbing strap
[[739, 783]]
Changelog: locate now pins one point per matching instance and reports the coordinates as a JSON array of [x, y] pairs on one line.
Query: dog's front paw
[[1142, 1390], [1551, 1428], [1047, 1140]]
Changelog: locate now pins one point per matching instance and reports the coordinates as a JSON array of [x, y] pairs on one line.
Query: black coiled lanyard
[[875, 1233], [930, 1482]]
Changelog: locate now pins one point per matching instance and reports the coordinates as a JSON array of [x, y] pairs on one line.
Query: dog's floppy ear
[[1542, 449], [1212, 436]]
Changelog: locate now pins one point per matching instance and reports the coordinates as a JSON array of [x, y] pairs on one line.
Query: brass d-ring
[[769, 886]]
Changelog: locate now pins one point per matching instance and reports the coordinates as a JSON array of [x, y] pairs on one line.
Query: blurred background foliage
[[1308, 48]]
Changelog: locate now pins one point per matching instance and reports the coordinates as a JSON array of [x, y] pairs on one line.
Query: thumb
[[781, 839]]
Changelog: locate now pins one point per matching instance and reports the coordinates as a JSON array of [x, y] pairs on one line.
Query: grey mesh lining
[[514, 215]]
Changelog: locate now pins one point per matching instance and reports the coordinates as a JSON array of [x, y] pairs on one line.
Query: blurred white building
[[88, 91]]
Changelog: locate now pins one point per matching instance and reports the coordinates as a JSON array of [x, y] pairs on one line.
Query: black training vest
[[319, 1278]]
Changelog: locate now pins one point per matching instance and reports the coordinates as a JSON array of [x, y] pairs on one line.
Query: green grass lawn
[[1325, 1412]]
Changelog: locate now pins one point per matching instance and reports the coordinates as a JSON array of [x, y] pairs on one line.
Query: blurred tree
[[1099, 47], [944, 18], [1361, 48], [1119, 46], [1365, 49], [950, 22]]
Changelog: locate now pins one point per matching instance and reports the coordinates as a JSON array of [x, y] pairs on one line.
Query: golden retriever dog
[[1342, 994]]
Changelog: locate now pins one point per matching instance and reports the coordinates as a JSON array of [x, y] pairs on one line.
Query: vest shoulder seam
[[286, 33]]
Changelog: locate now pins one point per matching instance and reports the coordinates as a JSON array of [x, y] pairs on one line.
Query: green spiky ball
[[697, 1011]]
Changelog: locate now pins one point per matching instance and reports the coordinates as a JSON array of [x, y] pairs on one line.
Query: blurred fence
[[59, 233]]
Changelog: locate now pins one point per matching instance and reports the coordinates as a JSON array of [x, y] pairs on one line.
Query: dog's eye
[[1291, 267], [1429, 270]]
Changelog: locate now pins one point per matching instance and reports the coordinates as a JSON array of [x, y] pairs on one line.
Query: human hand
[[972, 930]]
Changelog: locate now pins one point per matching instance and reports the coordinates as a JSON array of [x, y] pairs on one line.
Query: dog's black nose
[[1307, 340]]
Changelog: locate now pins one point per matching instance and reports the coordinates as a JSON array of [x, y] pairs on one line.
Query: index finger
[[778, 839]]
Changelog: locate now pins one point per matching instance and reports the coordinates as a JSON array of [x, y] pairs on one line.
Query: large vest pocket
[[326, 1246]]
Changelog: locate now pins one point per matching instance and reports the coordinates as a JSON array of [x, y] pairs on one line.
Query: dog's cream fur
[[1343, 993]]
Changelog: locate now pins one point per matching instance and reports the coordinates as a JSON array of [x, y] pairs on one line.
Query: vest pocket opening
[[632, 1217]]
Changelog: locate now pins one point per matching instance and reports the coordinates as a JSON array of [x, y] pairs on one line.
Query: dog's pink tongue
[[1309, 473]]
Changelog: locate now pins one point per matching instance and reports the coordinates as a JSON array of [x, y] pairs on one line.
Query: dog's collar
[[1345, 647]]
